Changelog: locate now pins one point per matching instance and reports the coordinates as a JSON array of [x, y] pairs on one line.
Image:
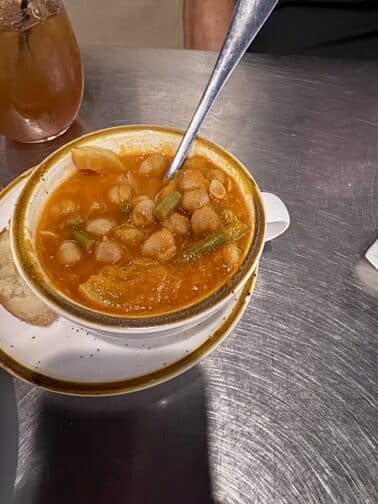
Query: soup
[[116, 236]]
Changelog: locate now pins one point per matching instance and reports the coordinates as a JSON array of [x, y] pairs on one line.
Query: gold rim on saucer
[[24, 373]]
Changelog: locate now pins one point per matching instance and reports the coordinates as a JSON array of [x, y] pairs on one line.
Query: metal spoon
[[249, 17]]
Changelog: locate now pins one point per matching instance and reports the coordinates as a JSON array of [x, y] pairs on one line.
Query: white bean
[[231, 255], [160, 245], [192, 179], [68, 253], [121, 193], [64, 207], [217, 174], [194, 162], [129, 235], [205, 220], [177, 224], [142, 214], [101, 226], [108, 251], [154, 165], [194, 199], [217, 189]]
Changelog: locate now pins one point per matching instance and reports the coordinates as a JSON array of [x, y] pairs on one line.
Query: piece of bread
[[15, 295]]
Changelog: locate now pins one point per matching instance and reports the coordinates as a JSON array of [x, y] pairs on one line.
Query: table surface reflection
[[285, 411]]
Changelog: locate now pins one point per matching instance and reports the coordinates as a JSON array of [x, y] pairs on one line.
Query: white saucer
[[68, 359]]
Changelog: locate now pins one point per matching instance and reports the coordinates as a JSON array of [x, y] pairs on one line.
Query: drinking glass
[[41, 74]]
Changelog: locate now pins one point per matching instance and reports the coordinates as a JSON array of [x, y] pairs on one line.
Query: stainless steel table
[[285, 411]]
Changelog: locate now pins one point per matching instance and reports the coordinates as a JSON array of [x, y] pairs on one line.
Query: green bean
[[232, 232], [126, 208], [235, 228], [83, 239], [166, 207], [228, 216], [74, 221], [203, 247]]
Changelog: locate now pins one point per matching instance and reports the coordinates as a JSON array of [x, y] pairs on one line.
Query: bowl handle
[[277, 216]]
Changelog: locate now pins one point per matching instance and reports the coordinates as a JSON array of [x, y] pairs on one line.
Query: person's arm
[[206, 23]]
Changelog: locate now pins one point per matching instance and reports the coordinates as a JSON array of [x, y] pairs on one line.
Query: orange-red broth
[[154, 288]]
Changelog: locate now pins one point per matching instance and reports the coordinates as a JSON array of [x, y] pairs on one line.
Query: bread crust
[[15, 296]]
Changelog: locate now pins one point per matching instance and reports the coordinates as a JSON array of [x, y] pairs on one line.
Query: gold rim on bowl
[[23, 254]]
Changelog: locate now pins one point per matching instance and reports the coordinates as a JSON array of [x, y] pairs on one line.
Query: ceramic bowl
[[135, 140]]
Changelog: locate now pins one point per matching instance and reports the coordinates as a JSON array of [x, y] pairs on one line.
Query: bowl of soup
[[105, 241]]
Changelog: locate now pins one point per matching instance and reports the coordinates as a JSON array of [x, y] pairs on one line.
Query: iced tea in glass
[[41, 74]]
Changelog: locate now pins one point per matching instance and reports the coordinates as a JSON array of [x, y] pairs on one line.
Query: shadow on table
[[145, 447]]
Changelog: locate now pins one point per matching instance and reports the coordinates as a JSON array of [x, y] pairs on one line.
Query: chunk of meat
[[177, 224], [101, 226], [194, 199], [68, 253], [231, 255], [217, 190], [129, 235], [121, 193], [192, 179], [64, 207], [108, 251], [205, 220], [139, 286], [96, 159], [143, 212], [154, 166], [160, 245]]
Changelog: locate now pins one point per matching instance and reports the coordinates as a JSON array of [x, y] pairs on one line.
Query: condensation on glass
[[41, 74]]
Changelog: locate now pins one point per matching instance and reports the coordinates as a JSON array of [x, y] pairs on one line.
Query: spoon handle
[[249, 16]]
